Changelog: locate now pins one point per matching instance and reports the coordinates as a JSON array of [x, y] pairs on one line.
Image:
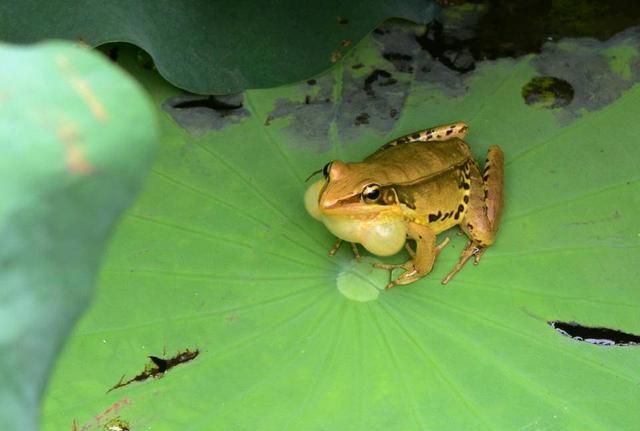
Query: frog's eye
[[325, 170], [371, 193]]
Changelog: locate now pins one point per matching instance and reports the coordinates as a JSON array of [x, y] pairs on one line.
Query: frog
[[408, 191]]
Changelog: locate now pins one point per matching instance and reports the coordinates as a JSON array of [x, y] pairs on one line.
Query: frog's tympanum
[[413, 188]]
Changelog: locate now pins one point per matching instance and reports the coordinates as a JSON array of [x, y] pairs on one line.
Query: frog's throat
[[382, 238]]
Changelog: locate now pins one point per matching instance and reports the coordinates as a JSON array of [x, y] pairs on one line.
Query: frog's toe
[[407, 266], [407, 277], [477, 255]]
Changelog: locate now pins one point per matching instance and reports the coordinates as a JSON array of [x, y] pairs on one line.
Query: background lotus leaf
[[215, 47]]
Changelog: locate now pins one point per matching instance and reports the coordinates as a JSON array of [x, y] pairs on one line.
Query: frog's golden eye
[[325, 170], [371, 193]]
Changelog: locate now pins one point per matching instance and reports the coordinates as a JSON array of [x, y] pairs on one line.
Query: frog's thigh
[[481, 220], [486, 199], [425, 248], [438, 133]]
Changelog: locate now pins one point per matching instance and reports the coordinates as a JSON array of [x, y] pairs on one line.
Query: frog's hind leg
[[438, 133], [485, 202]]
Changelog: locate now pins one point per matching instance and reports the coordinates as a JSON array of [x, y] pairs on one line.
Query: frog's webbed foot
[[472, 249], [408, 276], [354, 248], [411, 273]]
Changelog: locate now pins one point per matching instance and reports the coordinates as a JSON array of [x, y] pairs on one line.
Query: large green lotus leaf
[[219, 255], [76, 139], [215, 47]]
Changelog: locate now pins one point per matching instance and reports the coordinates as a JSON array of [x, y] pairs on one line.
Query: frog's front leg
[[425, 254], [354, 249], [482, 218], [438, 133]]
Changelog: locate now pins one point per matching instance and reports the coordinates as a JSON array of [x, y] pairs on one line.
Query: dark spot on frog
[[378, 74], [342, 21], [466, 186], [363, 118], [470, 226], [485, 178], [466, 199], [447, 215], [459, 211], [415, 136], [159, 367], [547, 92], [595, 335], [435, 217], [312, 82], [393, 112]]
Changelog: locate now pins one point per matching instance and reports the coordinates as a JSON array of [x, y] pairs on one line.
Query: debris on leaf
[[158, 367]]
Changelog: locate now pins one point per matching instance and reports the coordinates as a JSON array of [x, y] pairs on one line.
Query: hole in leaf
[[117, 424], [211, 102], [548, 92], [595, 335], [158, 367]]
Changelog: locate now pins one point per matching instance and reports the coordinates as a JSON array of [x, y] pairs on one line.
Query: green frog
[[413, 188]]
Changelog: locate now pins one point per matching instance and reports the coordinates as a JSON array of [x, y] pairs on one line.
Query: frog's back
[[412, 161]]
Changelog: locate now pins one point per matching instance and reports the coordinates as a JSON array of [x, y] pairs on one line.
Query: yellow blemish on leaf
[[82, 87], [76, 161]]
